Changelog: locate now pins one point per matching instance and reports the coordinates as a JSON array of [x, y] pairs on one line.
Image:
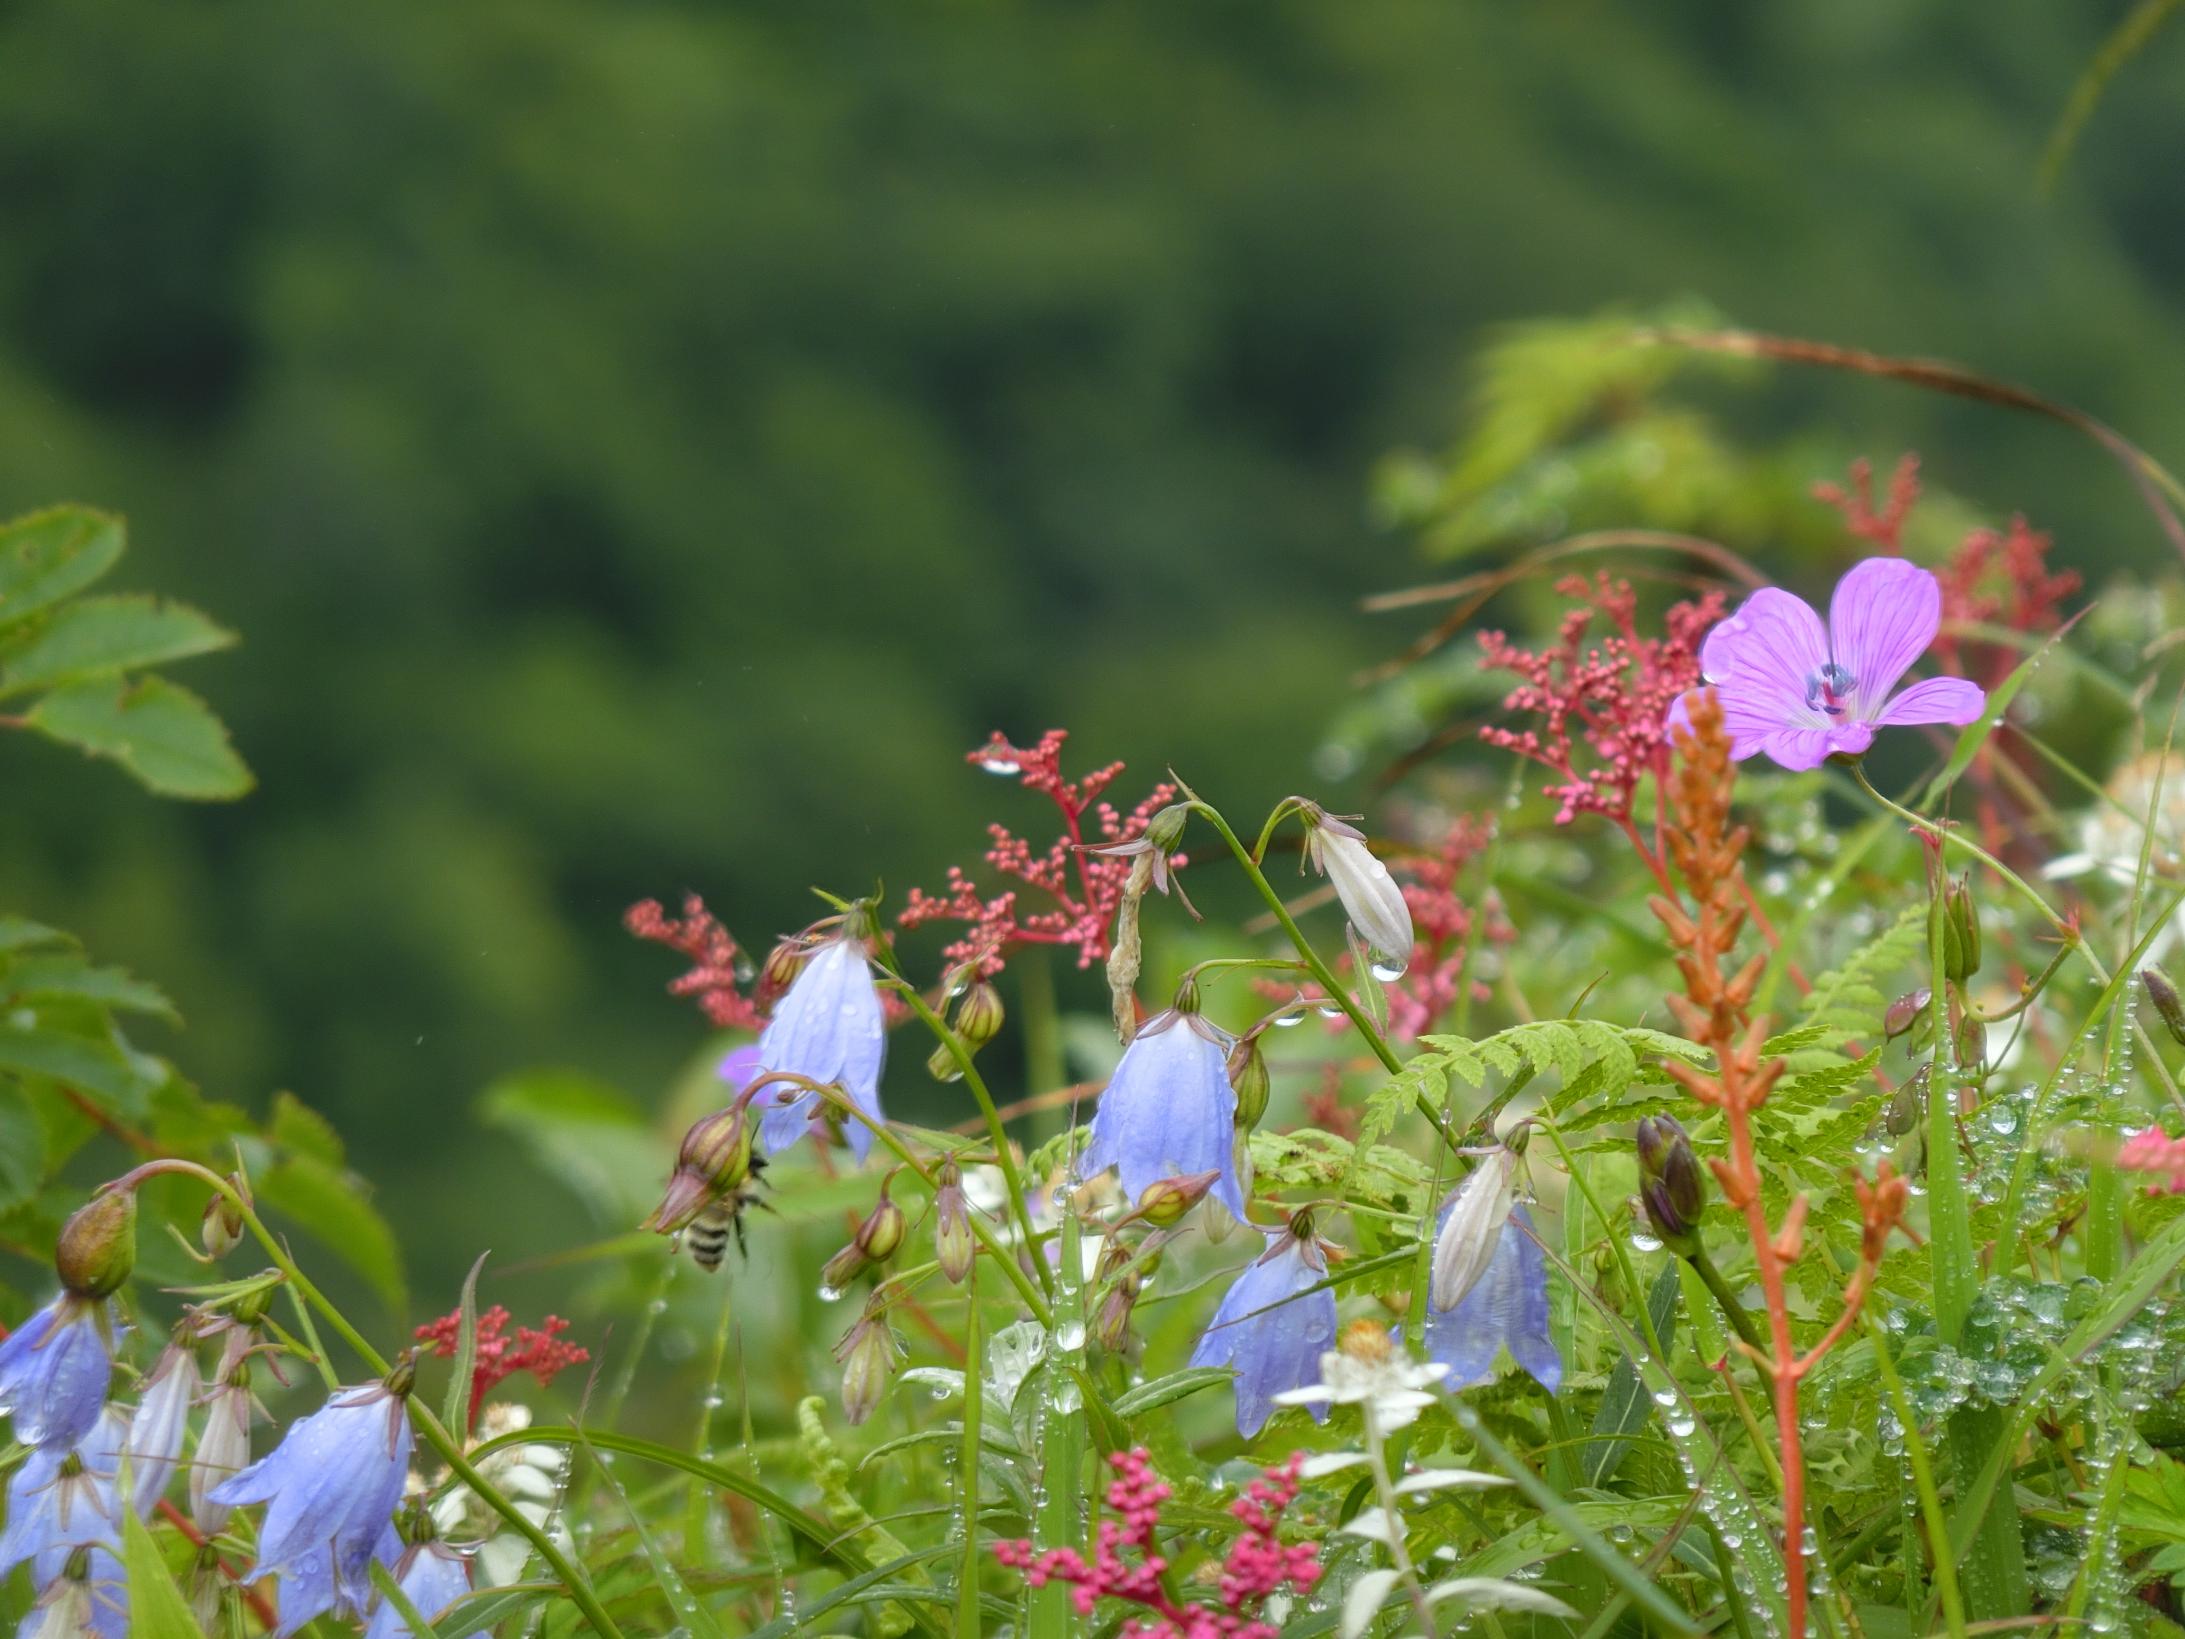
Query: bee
[[709, 1232]]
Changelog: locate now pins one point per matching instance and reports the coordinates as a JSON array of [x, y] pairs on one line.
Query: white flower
[[1473, 1229], [223, 1448], [1389, 1384], [1370, 896], [2114, 825], [154, 1444], [530, 1476]]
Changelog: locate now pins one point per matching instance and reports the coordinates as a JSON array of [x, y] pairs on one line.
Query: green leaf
[[73, 977], [584, 1132], [455, 1410], [47, 556], [157, 730], [157, 1609], [98, 1069], [1162, 1391], [99, 637], [22, 1148], [298, 1127], [20, 933], [330, 1205], [1626, 1405]]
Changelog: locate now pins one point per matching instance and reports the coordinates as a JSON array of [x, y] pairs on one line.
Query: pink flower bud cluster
[[718, 972], [2155, 1151], [1602, 706], [1062, 894], [540, 1350], [1259, 1564]]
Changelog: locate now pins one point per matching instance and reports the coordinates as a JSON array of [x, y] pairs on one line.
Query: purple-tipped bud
[[954, 1246], [1166, 1200], [1248, 1075], [980, 1015], [1971, 1042], [2163, 995], [1110, 1329], [98, 1245], [1671, 1186], [783, 963], [874, 1243], [867, 1355], [221, 1231], [714, 1162], [1906, 1012]]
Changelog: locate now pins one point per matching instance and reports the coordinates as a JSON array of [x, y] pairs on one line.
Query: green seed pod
[[98, 1245], [1908, 1106], [1248, 1075], [1672, 1188], [1905, 1012], [2163, 995]]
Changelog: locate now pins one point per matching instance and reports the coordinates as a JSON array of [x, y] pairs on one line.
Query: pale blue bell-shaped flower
[[95, 1606], [432, 1576], [156, 1429], [1506, 1307], [331, 1487], [828, 1027], [1272, 1328], [1169, 1111], [62, 1498], [54, 1370]]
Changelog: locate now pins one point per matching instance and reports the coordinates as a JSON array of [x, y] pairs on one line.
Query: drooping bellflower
[[432, 1576], [1169, 1110], [54, 1370], [829, 1027], [83, 1594], [330, 1487], [1506, 1307], [62, 1498], [1369, 894], [1272, 1328], [156, 1429], [1804, 691], [223, 1447]]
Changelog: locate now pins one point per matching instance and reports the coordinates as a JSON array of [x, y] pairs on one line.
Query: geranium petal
[[1937, 700], [1799, 749], [1882, 618], [1763, 659]]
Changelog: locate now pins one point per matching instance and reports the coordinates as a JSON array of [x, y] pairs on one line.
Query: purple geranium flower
[[331, 1486], [62, 1498], [1169, 1110], [829, 1027], [54, 1370], [1271, 1328], [432, 1576], [1508, 1305], [1804, 692]]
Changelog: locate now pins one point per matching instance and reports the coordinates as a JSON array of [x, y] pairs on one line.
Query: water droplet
[[1645, 1240], [830, 1294], [1288, 1021], [1070, 1336], [1389, 972], [1001, 765]]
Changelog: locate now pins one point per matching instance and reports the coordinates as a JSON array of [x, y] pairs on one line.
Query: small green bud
[[1248, 1075], [954, 1246], [1905, 1012], [1672, 1188], [783, 963], [402, 1375], [1166, 1200], [98, 1245], [1971, 1043], [867, 1356], [252, 1307], [1110, 1329], [2163, 995], [1908, 1106], [1166, 829], [715, 1161], [980, 1015], [883, 1229], [1960, 924], [941, 1064], [221, 1230]]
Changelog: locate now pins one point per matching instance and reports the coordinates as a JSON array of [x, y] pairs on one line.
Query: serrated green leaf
[[298, 1127], [47, 556], [584, 1132], [159, 731], [20, 933], [97, 1069], [157, 1609], [79, 980], [22, 1148], [330, 1206], [100, 637]]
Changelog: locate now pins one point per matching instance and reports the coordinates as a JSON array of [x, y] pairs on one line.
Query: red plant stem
[[260, 1606]]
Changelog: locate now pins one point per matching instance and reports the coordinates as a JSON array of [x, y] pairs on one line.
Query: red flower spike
[[538, 1350], [1258, 1566], [1064, 895], [715, 977], [1885, 528]]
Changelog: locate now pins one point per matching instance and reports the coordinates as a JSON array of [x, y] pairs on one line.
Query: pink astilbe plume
[[718, 973], [1601, 694], [540, 1350], [1063, 894], [2156, 1152], [1883, 525], [1259, 1564]]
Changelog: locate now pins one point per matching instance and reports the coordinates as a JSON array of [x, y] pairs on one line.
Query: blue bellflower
[[1271, 1329], [1507, 1306], [62, 1498], [828, 1027], [432, 1576], [331, 1487], [1169, 1111], [95, 1606], [155, 1431], [54, 1370]]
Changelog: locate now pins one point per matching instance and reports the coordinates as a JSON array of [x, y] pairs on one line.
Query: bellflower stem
[[449, 1446]]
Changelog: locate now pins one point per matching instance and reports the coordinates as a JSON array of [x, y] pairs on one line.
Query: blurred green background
[[644, 446]]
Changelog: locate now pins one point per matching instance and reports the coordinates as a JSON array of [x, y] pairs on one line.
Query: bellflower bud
[[874, 1243], [1473, 1229], [714, 1162], [867, 1356], [2163, 995], [783, 963], [1905, 1012], [221, 1230], [1370, 896], [98, 1245], [980, 1015], [954, 1246], [1247, 1066], [1166, 1200], [1671, 1186], [1110, 1328]]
